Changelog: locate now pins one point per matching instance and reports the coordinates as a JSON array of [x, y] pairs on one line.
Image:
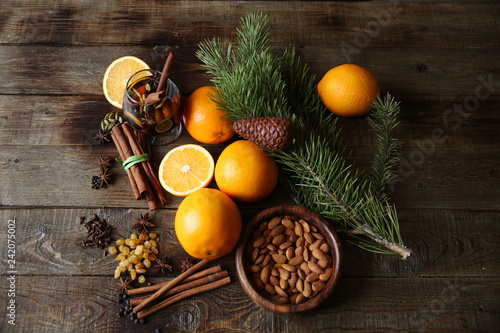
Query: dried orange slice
[[116, 77], [186, 169]]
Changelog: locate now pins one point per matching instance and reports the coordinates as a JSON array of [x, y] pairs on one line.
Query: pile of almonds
[[289, 260]]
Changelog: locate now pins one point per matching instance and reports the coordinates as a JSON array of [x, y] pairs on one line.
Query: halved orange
[[186, 169], [116, 76]]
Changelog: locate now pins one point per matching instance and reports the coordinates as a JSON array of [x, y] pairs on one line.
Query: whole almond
[[301, 241], [312, 277], [280, 291], [271, 247], [318, 286], [259, 259], [293, 298], [284, 284], [262, 226], [285, 245], [288, 223], [316, 244], [298, 229], [263, 250], [305, 225], [274, 280], [289, 267], [299, 251], [323, 263], [305, 254], [315, 268], [274, 222], [281, 299], [265, 274], [259, 241], [300, 285], [280, 258], [326, 275], [292, 281], [317, 235], [270, 289], [300, 299], [279, 239], [307, 292], [290, 253], [284, 274], [279, 229], [254, 268], [324, 247], [297, 260], [267, 259], [305, 267], [309, 238], [293, 238], [301, 274], [318, 254], [274, 271], [290, 232]]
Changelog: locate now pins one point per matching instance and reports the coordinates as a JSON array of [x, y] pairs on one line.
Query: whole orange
[[208, 224], [348, 90], [245, 172], [204, 121]]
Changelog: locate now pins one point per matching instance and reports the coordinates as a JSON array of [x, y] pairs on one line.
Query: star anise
[[104, 177], [162, 265], [124, 285], [148, 118], [187, 264], [142, 223], [102, 136], [104, 161]]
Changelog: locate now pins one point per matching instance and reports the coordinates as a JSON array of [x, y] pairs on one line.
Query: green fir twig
[[315, 171]]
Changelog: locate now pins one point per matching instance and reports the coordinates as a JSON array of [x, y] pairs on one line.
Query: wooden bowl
[[314, 219]]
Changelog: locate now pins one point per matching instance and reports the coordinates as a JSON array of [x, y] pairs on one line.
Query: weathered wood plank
[[74, 120], [65, 174], [70, 304], [181, 22], [446, 243], [403, 71]]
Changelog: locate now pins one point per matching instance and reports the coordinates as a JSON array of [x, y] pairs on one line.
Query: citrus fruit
[[186, 169], [245, 172], [164, 125], [204, 121], [348, 90], [208, 224], [116, 76]]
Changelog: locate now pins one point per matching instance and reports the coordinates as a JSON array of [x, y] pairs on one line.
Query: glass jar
[[154, 116]]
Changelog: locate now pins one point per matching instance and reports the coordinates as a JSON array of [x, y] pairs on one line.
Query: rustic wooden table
[[440, 60]]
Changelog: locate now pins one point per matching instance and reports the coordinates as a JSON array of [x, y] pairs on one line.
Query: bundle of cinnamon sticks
[[185, 285], [130, 142]]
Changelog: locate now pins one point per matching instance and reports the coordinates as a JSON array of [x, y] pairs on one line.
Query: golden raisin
[[112, 250], [142, 279]]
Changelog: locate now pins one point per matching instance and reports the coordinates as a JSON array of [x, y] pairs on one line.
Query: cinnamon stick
[[155, 97], [183, 295], [140, 179], [185, 286], [170, 285], [155, 287], [137, 194], [166, 71], [146, 166]]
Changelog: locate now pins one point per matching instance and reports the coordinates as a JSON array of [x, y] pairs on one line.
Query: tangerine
[[204, 120], [208, 224], [348, 90], [245, 172]]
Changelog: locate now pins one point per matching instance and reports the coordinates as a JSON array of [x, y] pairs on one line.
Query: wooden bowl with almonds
[[289, 259]]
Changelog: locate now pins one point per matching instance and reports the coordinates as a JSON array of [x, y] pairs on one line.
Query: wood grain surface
[[439, 59]]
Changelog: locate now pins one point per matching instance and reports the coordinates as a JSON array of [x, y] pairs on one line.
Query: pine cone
[[272, 133]]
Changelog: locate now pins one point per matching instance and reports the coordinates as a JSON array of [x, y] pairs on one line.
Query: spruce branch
[[315, 171], [383, 120]]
